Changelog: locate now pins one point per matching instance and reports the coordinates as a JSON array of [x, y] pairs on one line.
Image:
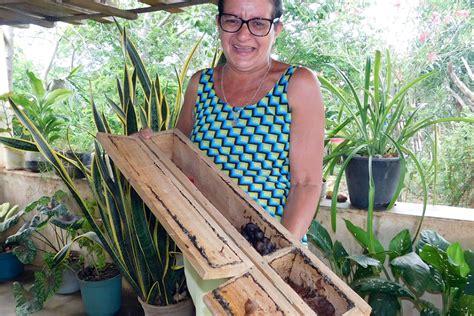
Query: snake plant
[[127, 230]]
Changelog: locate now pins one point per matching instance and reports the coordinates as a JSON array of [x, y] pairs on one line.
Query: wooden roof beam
[[103, 9], [156, 2], [137, 11], [41, 9], [7, 15], [65, 10], [2, 2]]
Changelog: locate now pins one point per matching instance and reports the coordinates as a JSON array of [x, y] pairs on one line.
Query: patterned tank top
[[250, 144]]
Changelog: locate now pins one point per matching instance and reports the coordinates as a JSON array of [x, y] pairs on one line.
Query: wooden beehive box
[[203, 210]]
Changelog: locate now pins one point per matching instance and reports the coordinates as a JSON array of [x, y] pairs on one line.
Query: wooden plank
[[204, 244], [2, 2], [249, 294], [158, 7], [104, 9], [7, 14], [158, 2], [39, 10], [65, 10]]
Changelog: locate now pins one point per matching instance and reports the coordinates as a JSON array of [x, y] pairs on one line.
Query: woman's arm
[[185, 121], [306, 151]]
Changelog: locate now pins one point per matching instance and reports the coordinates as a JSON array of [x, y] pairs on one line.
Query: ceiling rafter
[[46, 12]]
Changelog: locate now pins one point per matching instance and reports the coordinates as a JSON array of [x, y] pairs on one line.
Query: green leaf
[[427, 308], [377, 285], [434, 256], [456, 258], [56, 96], [365, 261], [414, 271], [320, 237], [26, 301], [436, 283], [384, 305], [25, 251], [400, 244], [36, 84], [439, 260], [363, 238], [341, 257], [17, 143], [432, 238], [469, 257], [11, 221], [463, 306], [362, 273]]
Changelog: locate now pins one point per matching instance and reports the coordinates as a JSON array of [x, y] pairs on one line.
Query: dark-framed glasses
[[257, 26]]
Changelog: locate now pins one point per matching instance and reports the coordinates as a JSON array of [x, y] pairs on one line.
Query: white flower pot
[[14, 158]]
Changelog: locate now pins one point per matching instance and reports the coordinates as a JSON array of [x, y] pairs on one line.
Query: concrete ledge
[[22, 187], [453, 223]]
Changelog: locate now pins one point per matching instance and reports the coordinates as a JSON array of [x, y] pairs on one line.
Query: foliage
[[9, 217], [30, 238], [376, 122], [432, 265], [40, 104], [127, 229]]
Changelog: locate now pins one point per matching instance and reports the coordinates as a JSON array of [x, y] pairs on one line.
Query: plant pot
[[76, 173], [69, 282], [183, 308], [35, 162], [14, 158], [102, 298], [386, 174], [10, 266]]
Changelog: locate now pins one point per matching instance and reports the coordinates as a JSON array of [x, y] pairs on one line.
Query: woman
[[260, 120]]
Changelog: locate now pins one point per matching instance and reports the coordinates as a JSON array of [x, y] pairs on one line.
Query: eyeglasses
[[257, 26]]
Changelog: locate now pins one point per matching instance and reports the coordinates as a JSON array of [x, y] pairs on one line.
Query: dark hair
[[277, 8]]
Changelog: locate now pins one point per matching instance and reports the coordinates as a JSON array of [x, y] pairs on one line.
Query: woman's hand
[[145, 133]]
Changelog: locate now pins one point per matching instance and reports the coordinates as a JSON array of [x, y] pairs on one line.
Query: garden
[[394, 226]]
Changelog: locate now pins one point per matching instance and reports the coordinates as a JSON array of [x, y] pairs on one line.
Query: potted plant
[[431, 265], [375, 125], [40, 105], [10, 266], [14, 158], [130, 234], [31, 237], [100, 281]]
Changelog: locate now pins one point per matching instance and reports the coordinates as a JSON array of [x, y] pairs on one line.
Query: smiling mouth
[[243, 49]]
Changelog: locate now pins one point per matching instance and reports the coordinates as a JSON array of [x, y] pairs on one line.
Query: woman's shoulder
[[303, 86], [304, 74]]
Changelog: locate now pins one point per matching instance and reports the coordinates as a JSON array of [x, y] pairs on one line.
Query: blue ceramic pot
[[10, 266], [102, 298]]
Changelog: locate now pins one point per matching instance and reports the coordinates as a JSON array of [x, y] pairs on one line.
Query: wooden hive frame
[[217, 198]]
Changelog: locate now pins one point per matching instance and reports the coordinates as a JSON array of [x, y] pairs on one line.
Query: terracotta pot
[[183, 308]]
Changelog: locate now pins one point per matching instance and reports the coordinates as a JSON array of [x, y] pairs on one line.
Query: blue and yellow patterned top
[[251, 143]]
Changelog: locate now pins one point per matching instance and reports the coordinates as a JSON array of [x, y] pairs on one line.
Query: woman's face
[[243, 50]]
